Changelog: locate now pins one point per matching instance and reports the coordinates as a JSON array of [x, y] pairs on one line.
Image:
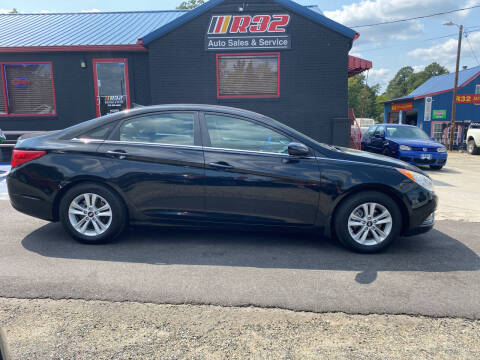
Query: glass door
[[111, 85]]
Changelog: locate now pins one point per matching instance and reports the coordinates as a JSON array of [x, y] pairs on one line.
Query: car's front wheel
[[92, 213], [472, 148], [368, 222]]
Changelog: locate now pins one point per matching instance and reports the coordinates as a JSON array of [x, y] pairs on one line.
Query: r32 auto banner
[[243, 32]]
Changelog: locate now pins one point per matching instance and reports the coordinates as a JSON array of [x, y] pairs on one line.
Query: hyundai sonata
[[202, 166]]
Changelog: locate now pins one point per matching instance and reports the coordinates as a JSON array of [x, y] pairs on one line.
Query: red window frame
[[250, 96], [3, 83], [95, 61]]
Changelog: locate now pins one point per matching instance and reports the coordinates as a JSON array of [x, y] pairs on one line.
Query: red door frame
[[95, 79]]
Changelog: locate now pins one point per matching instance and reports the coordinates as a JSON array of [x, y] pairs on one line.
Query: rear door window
[[99, 133], [162, 128]]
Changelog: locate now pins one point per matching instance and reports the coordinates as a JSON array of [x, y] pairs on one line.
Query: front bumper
[[418, 157], [422, 216]]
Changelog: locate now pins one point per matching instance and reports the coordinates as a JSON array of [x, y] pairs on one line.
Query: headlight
[[420, 179], [442, 149], [405, 147]]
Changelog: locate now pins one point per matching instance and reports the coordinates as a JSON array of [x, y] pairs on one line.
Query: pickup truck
[[473, 138]]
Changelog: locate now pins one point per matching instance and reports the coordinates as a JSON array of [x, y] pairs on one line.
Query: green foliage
[[190, 4], [405, 81], [362, 98], [398, 86]]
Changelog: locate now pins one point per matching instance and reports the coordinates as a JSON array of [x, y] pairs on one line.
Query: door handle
[[221, 165], [121, 154]]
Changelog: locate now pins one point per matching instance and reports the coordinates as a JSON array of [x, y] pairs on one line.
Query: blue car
[[405, 142]]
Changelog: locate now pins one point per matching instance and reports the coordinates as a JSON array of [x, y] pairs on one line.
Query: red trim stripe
[[31, 49]]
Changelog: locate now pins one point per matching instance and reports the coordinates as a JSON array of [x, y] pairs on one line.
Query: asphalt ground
[[434, 274]]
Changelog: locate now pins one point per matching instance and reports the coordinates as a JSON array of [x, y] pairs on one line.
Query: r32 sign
[[247, 24]]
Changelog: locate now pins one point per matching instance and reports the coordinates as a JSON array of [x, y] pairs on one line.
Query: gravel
[[78, 329]]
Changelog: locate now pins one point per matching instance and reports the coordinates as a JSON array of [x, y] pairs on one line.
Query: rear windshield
[[400, 132]]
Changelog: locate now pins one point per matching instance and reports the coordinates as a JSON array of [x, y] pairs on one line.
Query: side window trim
[[197, 142], [208, 144]]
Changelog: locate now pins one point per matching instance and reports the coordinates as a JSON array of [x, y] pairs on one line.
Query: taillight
[[20, 157]]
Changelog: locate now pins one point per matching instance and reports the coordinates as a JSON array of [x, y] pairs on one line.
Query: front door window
[[111, 85]]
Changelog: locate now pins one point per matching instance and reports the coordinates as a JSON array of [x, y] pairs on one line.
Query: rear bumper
[[416, 158], [29, 202]]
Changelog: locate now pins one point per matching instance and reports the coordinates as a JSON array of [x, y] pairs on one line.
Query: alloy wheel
[[370, 223], [90, 214]]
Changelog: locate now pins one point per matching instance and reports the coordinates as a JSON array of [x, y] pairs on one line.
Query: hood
[[415, 142], [370, 158]]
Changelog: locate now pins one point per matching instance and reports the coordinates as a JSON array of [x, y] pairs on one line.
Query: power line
[[471, 47], [416, 18], [420, 40]]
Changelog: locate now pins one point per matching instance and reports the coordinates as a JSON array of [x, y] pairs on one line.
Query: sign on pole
[[428, 109]]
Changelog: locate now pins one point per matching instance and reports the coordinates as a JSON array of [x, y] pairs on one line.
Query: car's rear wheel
[[92, 213], [368, 222], [472, 148], [436, 167]]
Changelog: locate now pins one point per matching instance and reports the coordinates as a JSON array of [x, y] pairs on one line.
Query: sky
[[415, 43]]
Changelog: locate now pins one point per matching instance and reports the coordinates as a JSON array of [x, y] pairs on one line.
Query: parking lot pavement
[[458, 188], [433, 274], [4, 169]]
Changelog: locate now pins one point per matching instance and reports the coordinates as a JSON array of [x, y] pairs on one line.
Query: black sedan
[[206, 166]]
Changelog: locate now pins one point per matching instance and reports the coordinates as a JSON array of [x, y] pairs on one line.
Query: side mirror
[[379, 136], [297, 149]]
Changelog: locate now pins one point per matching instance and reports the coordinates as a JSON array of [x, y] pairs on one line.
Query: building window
[[27, 89], [248, 75]]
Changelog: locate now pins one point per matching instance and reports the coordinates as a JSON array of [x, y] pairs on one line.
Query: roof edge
[[289, 4], [407, 97], [96, 12], [84, 48]]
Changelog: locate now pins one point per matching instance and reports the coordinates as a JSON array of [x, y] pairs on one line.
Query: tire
[[386, 152], [472, 148], [99, 229], [352, 208], [436, 167]]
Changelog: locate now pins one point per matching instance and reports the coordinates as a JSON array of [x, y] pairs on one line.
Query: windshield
[[406, 133]]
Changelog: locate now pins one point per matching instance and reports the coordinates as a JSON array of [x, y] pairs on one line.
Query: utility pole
[[454, 101]]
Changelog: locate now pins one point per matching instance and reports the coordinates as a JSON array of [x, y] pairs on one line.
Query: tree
[[398, 86], [405, 81], [417, 79], [362, 98], [190, 4]]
